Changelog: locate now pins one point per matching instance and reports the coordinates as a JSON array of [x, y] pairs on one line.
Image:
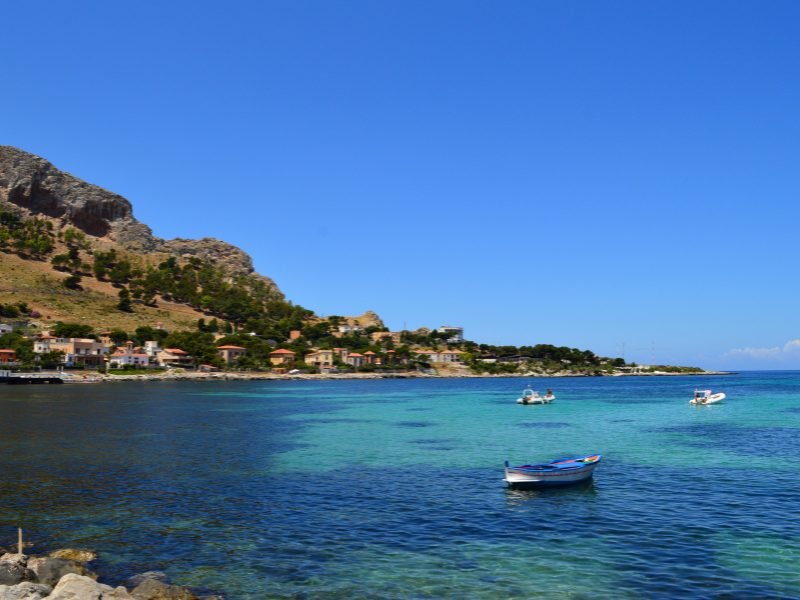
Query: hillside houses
[[358, 347]]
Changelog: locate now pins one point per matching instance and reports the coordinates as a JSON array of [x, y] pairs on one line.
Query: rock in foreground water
[[55, 578], [80, 587], [25, 591]]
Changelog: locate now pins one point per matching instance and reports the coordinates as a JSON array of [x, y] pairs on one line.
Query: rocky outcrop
[[368, 319], [79, 587], [25, 591], [153, 589], [35, 186], [49, 578], [32, 186], [14, 570], [50, 570], [232, 259]]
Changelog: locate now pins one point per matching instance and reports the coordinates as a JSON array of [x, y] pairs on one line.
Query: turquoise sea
[[393, 488]]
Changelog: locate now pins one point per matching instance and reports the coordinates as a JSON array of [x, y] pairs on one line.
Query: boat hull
[[713, 399], [536, 400], [547, 476]]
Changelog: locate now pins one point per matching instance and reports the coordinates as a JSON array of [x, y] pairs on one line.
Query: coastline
[[263, 376]]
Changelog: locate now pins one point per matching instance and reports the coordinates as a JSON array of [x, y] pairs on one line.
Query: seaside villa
[[443, 356], [320, 358], [231, 353], [78, 352], [128, 357], [174, 357], [281, 357], [355, 359]]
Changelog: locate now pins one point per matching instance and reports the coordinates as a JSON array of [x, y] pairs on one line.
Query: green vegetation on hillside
[[246, 301], [31, 238]]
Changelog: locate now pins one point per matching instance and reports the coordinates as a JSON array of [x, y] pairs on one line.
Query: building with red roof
[[231, 353], [281, 356]]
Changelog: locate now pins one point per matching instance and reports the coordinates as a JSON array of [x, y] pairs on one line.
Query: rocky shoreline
[[64, 575]]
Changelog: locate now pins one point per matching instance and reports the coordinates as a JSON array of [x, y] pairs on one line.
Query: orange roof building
[[231, 353], [281, 356]]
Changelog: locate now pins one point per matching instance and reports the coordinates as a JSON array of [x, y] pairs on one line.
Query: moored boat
[[530, 396], [561, 471], [703, 397]]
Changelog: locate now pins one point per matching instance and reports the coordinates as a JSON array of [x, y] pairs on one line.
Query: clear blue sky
[[603, 175]]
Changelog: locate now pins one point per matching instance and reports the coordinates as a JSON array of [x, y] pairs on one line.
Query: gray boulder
[[50, 570], [24, 591], [152, 589], [13, 569], [79, 587], [13, 557]]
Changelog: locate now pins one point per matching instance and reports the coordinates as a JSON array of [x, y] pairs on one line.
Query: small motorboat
[[562, 471], [530, 396], [703, 397]]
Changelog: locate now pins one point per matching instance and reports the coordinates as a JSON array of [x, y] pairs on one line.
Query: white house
[[152, 348], [4, 329], [443, 356], [128, 357]]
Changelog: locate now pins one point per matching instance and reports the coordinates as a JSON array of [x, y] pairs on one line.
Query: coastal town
[[335, 346], [106, 351]]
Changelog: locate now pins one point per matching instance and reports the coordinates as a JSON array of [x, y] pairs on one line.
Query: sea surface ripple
[[392, 488]]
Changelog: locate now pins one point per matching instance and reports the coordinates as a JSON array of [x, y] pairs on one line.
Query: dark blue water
[[392, 488]]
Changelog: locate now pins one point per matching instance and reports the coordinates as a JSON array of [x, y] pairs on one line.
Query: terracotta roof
[[6, 350], [174, 351], [281, 351], [355, 354], [230, 348], [368, 352]]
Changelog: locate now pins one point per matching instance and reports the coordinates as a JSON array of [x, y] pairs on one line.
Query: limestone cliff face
[[35, 187], [368, 319]]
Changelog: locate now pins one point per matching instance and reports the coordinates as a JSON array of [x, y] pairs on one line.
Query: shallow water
[[392, 488]]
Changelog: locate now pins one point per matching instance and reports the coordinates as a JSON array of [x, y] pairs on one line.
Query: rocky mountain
[[32, 186]]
